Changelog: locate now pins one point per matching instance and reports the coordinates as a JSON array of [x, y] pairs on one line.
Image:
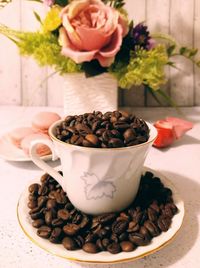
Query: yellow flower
[[52, 20]]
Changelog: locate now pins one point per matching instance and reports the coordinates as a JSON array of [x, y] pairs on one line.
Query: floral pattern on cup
[[96, 188]]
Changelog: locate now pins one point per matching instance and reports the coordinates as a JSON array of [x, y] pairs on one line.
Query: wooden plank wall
[[22, 82]]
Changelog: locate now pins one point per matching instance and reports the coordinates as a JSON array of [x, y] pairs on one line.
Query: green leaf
[[37, 16], [183, 50], [193, 52], [92, 68], [171, 49], [154, 94]]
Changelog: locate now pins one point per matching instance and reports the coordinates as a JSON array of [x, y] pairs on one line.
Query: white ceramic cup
[[96, 180]]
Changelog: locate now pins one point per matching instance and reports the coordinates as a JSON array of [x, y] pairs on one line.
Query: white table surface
[[180, 163]]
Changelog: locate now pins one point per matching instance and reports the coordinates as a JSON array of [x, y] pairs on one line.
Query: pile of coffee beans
[[59, 221], [108, 130]]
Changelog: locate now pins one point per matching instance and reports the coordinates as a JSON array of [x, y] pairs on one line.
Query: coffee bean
[[93, 139], [119, 227], [79, 241], [121, 126], [109, 130], [60, 198], [42, 201], [100, 245], [106, 218], [145, 232], [152, 228], [90, 248], [55, 235], [32, 197], [43, 190], [123, 236], [49, 217], [133, 227], [45, 178], [51, 203], [33, 188], [152, 214], [55, 217], [69, 243], [164, 223], [63, 214], [71, 229], [32, 204], [37, 215], [138, 239], [114, 248], [57, 223], [115, 143], [127, 246], [129, 135], [44, 231], [38, 223]]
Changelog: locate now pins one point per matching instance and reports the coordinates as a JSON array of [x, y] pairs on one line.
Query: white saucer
[[10, 152], [103, 257]]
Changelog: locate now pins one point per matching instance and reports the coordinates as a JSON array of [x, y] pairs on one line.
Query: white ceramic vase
[[82, 94]]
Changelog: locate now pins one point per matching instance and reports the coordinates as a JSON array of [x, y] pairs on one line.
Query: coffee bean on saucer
[[55, 235], [138, 239], [90, 248], [164, 223], [58, 220], [32, 204], [63, 214], [114, 248], [33, 188], [44, 231], [69, 243], [127, 246], [71, 229], [38, 223], [152, 228]]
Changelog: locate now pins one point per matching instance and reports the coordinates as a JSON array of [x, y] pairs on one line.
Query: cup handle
[[41, 163]]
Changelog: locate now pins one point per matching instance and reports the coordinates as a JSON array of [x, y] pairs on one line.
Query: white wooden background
[[22, 82]]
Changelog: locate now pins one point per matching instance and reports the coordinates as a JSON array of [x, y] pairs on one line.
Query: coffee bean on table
[[58, 220]]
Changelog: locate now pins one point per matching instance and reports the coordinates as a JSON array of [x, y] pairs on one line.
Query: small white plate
[[103, 257], [10, 152]]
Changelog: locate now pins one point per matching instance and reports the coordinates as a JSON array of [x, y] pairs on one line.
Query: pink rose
[[91, 30]]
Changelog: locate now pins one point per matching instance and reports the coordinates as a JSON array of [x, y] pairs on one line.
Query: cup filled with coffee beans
[[102, 157]]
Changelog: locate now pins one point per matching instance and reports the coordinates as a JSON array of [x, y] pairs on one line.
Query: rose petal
[[114, 45], [104, 62], [76, 6], [180, 126], [97, 41], [124, 23], [75, 39]]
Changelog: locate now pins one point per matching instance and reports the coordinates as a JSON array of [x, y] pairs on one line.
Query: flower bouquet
[[94, 37]]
